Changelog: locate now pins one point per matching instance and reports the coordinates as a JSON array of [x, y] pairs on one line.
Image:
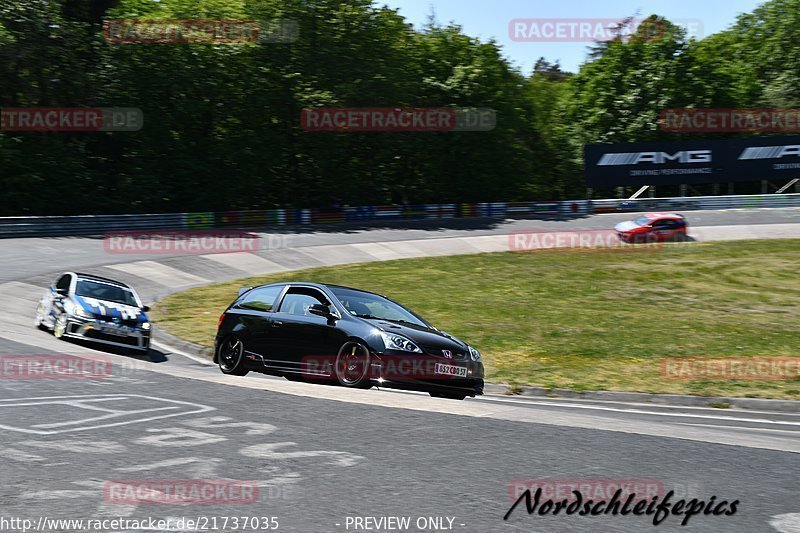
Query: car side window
[[260, 299], [64, 282], [298, 300]]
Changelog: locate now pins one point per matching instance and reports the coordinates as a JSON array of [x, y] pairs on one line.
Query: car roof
[[321, 286], [654, 216], [91, 277]]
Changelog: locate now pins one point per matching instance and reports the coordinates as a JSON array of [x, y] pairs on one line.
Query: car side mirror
[[320, 310], [145, 308], [62, 292]]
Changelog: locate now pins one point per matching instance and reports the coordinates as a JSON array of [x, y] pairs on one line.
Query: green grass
[[581, 320]]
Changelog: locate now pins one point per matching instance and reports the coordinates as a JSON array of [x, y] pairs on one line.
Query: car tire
[[352, 366], [448, 395], [231, 357]]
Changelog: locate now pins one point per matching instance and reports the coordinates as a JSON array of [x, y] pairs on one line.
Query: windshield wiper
[[401, 321]]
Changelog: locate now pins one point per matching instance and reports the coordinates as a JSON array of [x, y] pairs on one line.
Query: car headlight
[[78, 310], [145, 325], [393, 341], [474, 354]]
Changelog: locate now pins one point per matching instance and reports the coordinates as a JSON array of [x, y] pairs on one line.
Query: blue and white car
[[83, 306]]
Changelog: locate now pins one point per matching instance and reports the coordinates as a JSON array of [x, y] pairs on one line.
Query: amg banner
[[703, 161]]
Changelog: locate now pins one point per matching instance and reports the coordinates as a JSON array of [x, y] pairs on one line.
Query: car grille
[[133, 323], [457, 356], [93, 334]]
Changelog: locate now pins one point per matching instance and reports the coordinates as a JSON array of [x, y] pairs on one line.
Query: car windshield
[[104, 291], [642, 221], [367, 305]]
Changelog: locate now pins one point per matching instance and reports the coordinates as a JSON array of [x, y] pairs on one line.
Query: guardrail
[[54, 226]]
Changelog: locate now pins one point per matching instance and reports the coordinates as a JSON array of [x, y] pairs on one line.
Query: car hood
[[627, 226], [422, 336], [112, 309]]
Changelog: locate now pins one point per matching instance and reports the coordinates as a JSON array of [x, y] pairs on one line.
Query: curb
[[171, 341], [677, 400]]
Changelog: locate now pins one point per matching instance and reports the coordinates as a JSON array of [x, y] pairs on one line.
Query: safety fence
[[264, 220]]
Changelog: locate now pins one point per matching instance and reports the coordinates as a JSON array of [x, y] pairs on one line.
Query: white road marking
[[170, 349], [57, 494], [19, 455], [269, 451], [98, 418], [158, 465], [643, 412], [179, 437], [79, 402], [78, 446], [786, 523], [221, 422], [748, 428]]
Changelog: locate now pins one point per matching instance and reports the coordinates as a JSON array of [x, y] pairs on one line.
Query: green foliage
[[222, 121]]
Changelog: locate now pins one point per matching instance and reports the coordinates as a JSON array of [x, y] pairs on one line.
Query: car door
[[305, 339], [254, 312], [662, 229]]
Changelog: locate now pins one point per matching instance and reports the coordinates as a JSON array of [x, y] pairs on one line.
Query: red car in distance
[[653, 227]]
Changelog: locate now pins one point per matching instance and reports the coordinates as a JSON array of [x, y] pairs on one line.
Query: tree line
[[222, 121]]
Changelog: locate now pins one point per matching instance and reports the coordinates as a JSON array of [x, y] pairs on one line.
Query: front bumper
[[109, 333], [423, 372]]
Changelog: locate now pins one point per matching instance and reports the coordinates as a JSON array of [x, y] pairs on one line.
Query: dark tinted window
[[368, 305], [64, 282], [261, 299], [105, 291], [299, 299]]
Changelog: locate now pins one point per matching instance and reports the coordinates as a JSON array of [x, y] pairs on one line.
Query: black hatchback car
[[320, 332]]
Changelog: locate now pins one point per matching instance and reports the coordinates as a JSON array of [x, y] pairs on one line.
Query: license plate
[[114, 331], [451, 370]]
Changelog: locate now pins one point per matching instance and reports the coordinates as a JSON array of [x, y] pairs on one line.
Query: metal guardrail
[[691, 203], [54, 226]]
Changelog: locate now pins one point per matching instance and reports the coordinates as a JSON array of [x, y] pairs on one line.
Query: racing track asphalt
[[320, 454]]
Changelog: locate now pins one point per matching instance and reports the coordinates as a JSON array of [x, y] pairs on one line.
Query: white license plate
[[451, 370]]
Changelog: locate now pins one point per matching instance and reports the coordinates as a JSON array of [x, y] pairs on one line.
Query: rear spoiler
[[243, 290]]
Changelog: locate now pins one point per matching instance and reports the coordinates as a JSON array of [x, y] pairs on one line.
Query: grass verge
[[585, 320]]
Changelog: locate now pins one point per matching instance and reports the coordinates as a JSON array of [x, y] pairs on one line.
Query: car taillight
[[221, 318]]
